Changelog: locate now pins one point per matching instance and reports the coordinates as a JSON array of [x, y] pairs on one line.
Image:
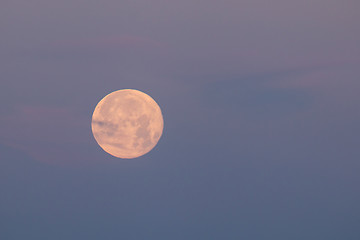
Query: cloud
[[109, 42], [49, 134]]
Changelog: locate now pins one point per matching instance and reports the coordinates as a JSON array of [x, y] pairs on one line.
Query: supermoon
[[127, 123]]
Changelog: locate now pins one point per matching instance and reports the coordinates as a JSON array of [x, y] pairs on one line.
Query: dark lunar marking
[[143, 123], [118, 145], [100, 123], [143, 131], [107, 127], [135, 144], [156, 135], [123, 122], [133, 123], [143, 120], [109, 133], [106, 124], [146, 143]]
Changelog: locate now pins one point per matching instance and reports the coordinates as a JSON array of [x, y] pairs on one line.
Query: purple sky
[[261, 107]]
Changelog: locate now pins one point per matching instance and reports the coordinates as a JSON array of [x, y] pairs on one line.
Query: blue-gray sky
[[261, 107]]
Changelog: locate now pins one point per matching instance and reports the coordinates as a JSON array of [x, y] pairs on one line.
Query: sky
[[260, 100]]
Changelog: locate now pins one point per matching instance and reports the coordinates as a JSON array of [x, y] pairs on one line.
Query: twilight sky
[[261, 110]]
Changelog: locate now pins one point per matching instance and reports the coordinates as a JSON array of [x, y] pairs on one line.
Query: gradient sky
[[261, 107]]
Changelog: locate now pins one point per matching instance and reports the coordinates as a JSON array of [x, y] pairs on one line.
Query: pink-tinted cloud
[[110, 42], [49, 134]]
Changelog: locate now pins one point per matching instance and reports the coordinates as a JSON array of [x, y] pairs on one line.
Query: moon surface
[[127, 123]]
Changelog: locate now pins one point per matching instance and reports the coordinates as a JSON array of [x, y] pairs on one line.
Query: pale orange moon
[[127, 123]]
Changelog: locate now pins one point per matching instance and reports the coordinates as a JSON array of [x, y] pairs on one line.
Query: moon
[[127, 123]]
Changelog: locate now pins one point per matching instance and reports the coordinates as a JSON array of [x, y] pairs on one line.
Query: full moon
[[127, 123]]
